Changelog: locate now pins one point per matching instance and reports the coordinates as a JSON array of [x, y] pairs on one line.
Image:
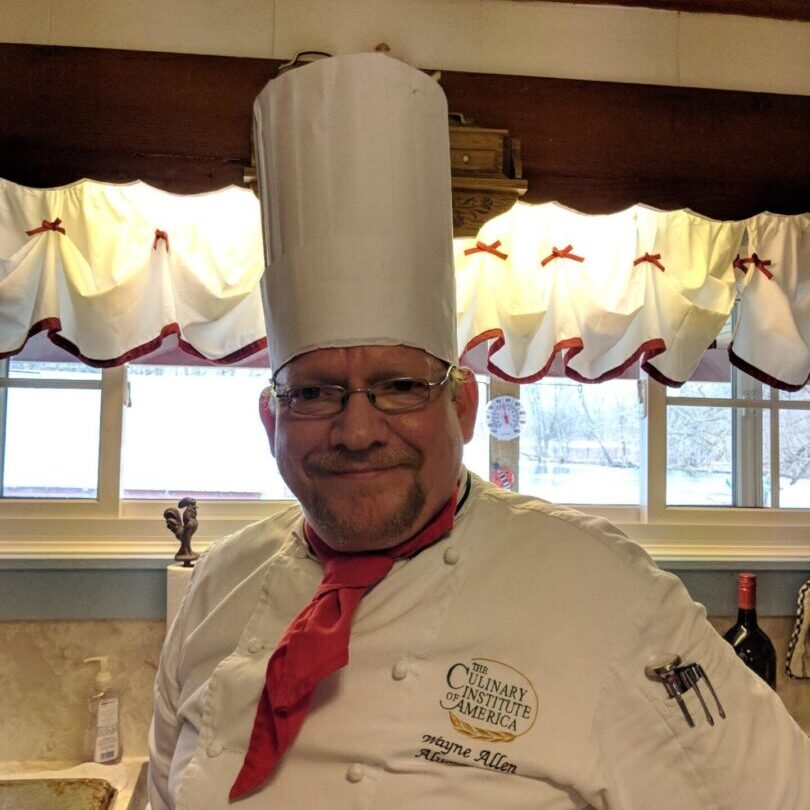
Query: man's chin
[[367, 520]]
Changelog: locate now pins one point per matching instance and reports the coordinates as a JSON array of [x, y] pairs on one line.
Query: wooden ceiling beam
[[182, 122]]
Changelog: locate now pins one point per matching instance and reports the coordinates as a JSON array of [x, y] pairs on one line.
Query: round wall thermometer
[[505, 417]]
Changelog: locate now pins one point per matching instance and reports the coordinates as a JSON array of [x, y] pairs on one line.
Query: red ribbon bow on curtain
[[565, 253], [47, 226], [158, 236], [740, 264], [480, 247], [652, 258], [760, 264], [316, 645]]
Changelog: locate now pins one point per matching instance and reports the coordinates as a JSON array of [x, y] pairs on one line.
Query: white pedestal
[[177, 579]]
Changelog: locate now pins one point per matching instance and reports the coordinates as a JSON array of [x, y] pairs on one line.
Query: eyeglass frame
[[284, 395]]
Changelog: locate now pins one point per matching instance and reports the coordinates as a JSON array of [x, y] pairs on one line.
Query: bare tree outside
[[581, 442], [794, 431]]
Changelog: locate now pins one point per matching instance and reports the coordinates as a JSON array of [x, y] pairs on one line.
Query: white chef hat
[[353, 160]]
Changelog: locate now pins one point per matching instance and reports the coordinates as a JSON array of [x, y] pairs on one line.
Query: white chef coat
[[501, 667]]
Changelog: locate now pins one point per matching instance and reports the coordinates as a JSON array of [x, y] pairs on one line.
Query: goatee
[[361, 528]]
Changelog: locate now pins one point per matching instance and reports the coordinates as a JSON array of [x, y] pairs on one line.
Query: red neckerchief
[[316, 644]]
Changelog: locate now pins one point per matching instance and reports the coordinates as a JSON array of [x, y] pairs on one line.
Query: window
[[678, 469], [39, 458], [738, 443], [194, 431], [580, 443]]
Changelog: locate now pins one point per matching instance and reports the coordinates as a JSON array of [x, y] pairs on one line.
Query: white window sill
[[141, 540]]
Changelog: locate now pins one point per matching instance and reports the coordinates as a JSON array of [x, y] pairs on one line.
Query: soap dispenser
[[102, 739]]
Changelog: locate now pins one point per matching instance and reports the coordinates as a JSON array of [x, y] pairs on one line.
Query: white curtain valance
[[641, 284], [109, 271], [772, 338]]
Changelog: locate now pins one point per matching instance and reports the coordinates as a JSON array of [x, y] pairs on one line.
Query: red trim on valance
[[234, 357], [573, 345], [483, 337], [571, 348], [41, 326], [646, 351], [54, 327], [661, 378], [760, 375]]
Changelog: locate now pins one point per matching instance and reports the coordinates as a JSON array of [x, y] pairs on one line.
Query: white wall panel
[[744, 53], [25, 21], [218, 27], [602, 43]]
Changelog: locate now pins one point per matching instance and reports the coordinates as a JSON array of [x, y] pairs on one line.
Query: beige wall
[[44, 685], [490, 36]]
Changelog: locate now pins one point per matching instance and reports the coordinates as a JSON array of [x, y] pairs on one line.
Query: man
[[370, 479], [410, 635]]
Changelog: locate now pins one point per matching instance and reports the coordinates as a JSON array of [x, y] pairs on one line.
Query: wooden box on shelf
[[486, 175]]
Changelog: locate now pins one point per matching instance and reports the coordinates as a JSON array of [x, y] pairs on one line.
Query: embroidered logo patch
[[489, 700]]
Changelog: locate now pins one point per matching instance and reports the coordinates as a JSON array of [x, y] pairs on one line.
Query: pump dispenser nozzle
[[103, 676]]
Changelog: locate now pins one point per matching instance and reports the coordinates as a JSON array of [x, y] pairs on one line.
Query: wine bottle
[[749, 640]]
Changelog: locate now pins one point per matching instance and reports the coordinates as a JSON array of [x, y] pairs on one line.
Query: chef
[[408, 635]]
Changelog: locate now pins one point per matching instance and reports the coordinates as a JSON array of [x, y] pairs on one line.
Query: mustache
[[346, 461]]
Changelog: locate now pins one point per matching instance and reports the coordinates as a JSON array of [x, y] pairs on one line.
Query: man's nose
[[359, 425]]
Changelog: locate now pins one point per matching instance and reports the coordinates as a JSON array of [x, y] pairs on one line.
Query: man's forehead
[[362, 360]]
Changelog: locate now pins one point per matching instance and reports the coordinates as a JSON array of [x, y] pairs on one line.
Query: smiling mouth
[[358, 466], [362, 472]]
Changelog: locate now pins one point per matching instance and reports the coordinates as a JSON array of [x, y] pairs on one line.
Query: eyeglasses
[[390, 396]]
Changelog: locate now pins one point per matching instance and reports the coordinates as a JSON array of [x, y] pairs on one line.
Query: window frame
[[693, 535], [690, 533], [112, 528], [106, 504]]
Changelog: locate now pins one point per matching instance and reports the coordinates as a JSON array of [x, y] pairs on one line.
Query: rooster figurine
[[183, 528]]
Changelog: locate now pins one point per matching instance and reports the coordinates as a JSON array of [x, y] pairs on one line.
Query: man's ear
[[466, 402], [267, 413]]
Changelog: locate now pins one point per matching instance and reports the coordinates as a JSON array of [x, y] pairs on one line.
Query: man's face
[[368, 479]]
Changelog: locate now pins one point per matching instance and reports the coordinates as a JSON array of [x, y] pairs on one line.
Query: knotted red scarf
[[316, 644]]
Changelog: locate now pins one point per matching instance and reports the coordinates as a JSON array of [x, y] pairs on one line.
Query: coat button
[[214, 749], [451, 556], [254, 645], [399, 670], [300, 551], [354, 772]]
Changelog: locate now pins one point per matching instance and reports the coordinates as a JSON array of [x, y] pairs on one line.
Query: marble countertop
[[123, 776]]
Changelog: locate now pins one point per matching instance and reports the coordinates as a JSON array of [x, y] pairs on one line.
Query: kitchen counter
[[127, 776]]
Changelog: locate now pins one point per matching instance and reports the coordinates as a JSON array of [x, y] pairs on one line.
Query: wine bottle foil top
[[747, 590]]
